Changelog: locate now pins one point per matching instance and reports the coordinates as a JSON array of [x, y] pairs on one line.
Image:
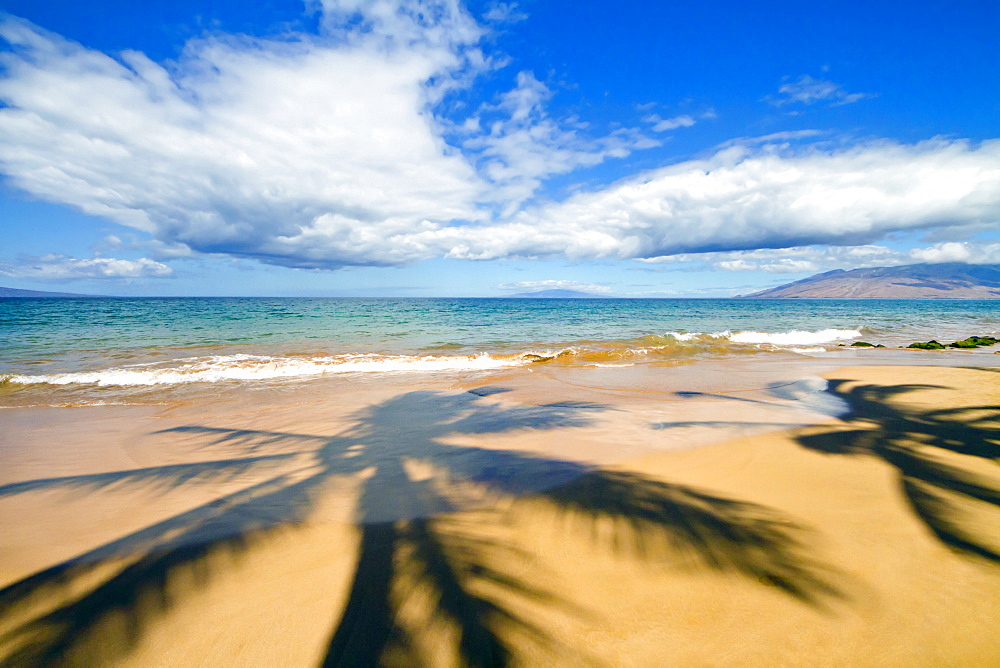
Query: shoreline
[[599, 514]]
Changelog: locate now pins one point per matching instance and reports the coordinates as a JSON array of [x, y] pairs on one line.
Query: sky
[[433, 148]]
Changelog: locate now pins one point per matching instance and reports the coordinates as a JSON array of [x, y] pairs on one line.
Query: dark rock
[[974, 342], [929, 345]]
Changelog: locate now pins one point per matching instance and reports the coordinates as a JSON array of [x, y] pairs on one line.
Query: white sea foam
[[796, 338], [257, 367], [791, 338]]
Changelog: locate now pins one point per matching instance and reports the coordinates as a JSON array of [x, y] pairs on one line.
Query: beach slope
[[872, 539]]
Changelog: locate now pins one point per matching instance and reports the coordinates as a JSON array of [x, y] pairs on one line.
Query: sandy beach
[[536, 518]]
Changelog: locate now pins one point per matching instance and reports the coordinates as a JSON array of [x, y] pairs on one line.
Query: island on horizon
[[14, 293], [951, 280]]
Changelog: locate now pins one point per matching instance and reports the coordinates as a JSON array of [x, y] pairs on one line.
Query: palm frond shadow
[[157, 476], [922, 446], [96, 606], [661, 520]]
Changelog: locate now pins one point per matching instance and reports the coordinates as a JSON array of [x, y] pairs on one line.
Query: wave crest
[[796, 337], [218, 368], [790, 338]]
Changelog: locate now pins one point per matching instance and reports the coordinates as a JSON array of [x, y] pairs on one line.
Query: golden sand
[[530, 526]]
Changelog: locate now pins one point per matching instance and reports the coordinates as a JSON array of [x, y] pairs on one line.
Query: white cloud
[[812, 259], [556, 285], [308, 151], [504, 12], [399, 23], [784, 138], [945, 252], [157, 250], [737, 265], [806, 90], [664, 124], [330, 150], [245, 144], [781, 266], [789, 266], [802, 259], [524, 145], [955, 251], [744, 199], [62, 266]]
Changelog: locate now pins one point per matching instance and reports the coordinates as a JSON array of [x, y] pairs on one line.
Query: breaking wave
[[796, 338], [666, 348], [258, 367], [792, 338]]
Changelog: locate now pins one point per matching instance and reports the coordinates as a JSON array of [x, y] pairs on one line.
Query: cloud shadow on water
[[98, 605]]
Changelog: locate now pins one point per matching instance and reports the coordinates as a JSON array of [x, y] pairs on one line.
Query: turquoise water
[[166, 340]]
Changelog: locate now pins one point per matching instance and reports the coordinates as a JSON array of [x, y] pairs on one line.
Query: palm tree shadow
[[410, 538], [939, 455]]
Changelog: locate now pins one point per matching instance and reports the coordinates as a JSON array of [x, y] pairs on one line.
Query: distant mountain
[[556, 294], [14, 293], [953, 280]]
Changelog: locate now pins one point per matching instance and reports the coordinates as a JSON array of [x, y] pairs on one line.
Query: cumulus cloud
[[556, 285], [957, 251], [743, 198], [807, 91], [330, 150], [244, 145], [308, 151], [62, 266]]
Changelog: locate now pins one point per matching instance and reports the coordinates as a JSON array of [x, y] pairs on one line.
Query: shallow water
[[113, 350]]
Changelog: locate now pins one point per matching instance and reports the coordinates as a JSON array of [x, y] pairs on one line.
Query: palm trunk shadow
[[367, 626], [428, 561], [396, 558]]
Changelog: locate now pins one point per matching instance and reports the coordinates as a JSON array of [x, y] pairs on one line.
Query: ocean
[[91, 350]]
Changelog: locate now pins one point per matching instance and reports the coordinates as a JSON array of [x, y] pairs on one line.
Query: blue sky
[[409, 148]]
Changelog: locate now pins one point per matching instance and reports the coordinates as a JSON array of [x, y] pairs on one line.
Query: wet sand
[[625, 517]]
